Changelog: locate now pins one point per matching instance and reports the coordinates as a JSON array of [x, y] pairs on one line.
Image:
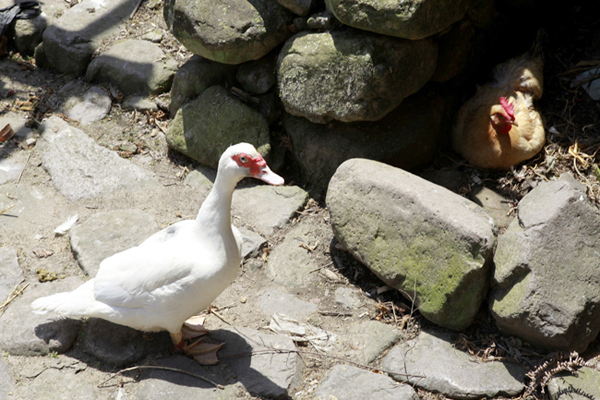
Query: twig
[[14, 294], [6, 209], [300, 352], [320, 268], [182, 371], [335, 314], [314, 353], [23, 170], [139, 3], [219, 316]]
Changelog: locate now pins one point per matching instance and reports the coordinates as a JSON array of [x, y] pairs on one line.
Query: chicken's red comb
[[509, 108]]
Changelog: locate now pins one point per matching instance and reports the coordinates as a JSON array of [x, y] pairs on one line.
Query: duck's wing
[[152, 272]]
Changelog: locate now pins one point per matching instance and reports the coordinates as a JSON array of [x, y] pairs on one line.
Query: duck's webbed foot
[[204, 353], [193, 327]]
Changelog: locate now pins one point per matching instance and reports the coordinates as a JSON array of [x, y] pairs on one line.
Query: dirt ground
[[573, 140]]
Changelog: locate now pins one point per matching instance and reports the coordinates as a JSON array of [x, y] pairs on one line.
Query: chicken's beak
[[514, 122], [269, 176]]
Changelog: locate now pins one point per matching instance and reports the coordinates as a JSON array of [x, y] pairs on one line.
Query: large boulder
[[195, 76], [146, 70], [348, 75], [409, 19], [204, 127], [68, 44], [459, 48], [228, 31], [28, 32], [433, 245], [407, 137], [257, 77], [546, 277], [300, 7]]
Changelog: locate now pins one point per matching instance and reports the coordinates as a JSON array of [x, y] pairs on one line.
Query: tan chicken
[[499, 126]]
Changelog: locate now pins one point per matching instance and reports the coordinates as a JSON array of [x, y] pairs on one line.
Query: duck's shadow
[[110, 347], [258, 364]]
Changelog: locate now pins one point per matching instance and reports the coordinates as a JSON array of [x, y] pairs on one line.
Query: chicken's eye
[[244, 159]]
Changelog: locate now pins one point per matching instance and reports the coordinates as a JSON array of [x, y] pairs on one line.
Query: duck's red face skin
[[254, 164]]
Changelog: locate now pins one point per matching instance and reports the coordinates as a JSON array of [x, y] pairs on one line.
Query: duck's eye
[[244, 159]]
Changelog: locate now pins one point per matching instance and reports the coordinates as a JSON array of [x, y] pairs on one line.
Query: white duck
[[177, 272]]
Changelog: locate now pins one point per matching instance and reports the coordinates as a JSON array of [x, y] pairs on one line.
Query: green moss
[[433, 266], [203, 128], [507, 303]]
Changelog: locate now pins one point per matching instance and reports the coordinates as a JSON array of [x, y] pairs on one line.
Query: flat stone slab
[[69, 43], [29, 217], [378, 337], [135, 66], [289, 264], [439, 367], [9, 171], [265, 208], [352, 383], [10, 272], [95, 106], [347, 297], [118, 345], [252, 243], [169, 385], [105, 234], [7, 380], [268, 208], [58, 383], [82, 169], [24, 333], [268, 374], [277, 301]]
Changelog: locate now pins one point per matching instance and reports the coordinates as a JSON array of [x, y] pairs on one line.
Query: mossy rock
[[204, 127]]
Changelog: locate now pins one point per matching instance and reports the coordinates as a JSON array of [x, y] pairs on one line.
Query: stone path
[[294, 325], [288, 273]]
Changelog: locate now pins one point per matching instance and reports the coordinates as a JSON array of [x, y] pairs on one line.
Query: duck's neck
[[215, 212]]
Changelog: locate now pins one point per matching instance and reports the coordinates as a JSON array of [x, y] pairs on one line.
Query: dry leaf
[[6, 133], [42, 253]]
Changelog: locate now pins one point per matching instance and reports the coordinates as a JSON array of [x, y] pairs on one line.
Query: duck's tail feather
[[75, 304]]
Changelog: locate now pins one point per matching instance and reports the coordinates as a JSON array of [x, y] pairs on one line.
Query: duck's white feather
[[175, 273]]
